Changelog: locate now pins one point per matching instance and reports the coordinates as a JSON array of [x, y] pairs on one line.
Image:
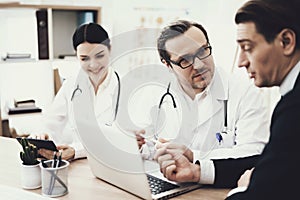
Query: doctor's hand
[[177, 167], [68, 152], [165, 146], [43, 136], [139, 137], [245, 178]]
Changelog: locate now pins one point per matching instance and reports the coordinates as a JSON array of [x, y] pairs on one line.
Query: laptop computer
[[114, 157]]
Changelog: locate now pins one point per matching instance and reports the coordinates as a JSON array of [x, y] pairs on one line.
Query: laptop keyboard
[[158, 185]]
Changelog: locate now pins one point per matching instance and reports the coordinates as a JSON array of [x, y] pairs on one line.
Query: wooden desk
[[82, 183]]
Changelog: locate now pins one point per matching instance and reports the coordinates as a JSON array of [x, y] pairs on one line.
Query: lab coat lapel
[[213, 102], [105, 102]]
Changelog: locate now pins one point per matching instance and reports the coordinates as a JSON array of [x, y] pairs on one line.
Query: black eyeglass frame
[[194, 56]]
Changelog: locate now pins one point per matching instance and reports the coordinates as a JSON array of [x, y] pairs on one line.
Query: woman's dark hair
[[92, 33]]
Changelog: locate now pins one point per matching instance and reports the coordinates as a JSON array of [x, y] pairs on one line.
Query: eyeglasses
[[188, 60]]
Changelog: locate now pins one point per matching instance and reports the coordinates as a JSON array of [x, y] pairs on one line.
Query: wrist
[[190, 155], [196, 172], [73, 152]]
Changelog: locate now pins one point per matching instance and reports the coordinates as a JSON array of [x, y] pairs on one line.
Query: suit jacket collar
[[287, 99]]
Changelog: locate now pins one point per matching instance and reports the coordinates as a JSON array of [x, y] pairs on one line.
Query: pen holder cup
[[54, 179]]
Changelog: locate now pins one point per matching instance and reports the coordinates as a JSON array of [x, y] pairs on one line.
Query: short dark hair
[[271, 16], [92, 33], [173, 30]]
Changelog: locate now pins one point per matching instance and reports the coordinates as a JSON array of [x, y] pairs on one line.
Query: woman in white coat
[[92, 46]]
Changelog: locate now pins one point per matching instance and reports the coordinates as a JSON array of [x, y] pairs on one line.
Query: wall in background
[[123, 18], [217, 16], [17, 33]]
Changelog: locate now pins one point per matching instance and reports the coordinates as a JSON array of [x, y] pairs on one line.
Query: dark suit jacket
[[277, 173]]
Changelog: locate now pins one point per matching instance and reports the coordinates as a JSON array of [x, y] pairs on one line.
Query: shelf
[[62, 20]]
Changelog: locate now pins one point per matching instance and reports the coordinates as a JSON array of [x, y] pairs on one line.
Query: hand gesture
[[175, 162], [176, 167], [43, 136], [139, 137], [67, 152], [163, 146]]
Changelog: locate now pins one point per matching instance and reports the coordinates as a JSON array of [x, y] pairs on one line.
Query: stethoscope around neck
[[219, 136], [79, 90], [167, 93]]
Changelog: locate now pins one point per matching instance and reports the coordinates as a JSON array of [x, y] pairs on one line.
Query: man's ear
[[165, 63], [288, 41]]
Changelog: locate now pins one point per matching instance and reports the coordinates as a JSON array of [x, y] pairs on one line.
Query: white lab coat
[[58, 120], [248, 119]]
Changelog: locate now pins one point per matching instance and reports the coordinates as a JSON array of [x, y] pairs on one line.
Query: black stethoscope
[[218, 134], [78, 90], [167, 93]]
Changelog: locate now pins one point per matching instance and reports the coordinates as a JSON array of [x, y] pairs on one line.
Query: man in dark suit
[[268, 34]]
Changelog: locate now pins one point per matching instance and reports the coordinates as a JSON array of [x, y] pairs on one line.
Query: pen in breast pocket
[[219, 137]]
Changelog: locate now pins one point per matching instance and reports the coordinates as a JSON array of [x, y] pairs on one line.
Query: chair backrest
[[57, 80]]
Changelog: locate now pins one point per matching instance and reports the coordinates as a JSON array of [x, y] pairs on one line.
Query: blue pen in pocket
[[219, 137]]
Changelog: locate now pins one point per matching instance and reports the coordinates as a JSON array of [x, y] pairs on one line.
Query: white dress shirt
[[290, 80]]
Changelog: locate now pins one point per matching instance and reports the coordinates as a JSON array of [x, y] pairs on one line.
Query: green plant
[[29, 154]]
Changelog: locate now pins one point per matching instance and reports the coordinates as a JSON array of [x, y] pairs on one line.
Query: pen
[[52, 180], [219, 137], [59, 160], [54, 160], [54, 176], [44, 164]]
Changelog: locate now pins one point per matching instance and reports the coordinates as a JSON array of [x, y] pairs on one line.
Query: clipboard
[[41, 144]]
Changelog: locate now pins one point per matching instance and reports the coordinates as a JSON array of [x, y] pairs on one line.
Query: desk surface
[[82, 183]]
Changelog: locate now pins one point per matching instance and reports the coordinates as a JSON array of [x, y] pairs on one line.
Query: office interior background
[[32, 78]]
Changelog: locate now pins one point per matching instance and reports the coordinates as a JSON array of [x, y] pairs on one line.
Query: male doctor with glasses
[[232, 120]]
